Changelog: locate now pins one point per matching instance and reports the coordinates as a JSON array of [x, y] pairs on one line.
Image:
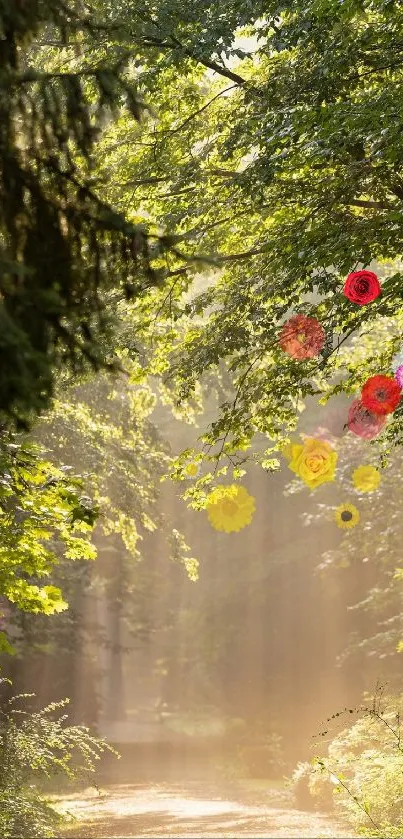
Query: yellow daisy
[[230, 508], [346, 516], [366, 478], [191, 470]]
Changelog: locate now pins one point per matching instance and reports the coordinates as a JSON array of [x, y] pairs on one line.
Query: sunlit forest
[[201, 418]]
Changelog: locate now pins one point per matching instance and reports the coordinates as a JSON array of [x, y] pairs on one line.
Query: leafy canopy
[[275, 148]]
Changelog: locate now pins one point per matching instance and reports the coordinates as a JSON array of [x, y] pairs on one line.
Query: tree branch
[[147, 181], [200, 110], [206, 62], [222, 71]]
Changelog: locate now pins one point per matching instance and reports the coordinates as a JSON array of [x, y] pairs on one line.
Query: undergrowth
[[35, 747]]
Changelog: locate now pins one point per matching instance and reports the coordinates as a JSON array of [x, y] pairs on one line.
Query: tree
[[274, 162], [64, 250], [301, 153], [279, 157], [104, 428]]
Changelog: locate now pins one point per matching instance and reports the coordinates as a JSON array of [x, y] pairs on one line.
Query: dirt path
[[194, 810]]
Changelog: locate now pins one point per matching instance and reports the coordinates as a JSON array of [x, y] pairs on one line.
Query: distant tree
[[109, 435], [367, 562]]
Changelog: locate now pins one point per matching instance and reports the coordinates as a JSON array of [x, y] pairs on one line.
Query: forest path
[[193, 810]]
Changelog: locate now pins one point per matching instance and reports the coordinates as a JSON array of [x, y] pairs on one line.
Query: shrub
[[311, 790], [363, 770], [35, 747]]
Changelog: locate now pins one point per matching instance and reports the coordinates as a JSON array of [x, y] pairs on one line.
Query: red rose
[[302, 337], [364, 423], [381, 394], [362, 287]]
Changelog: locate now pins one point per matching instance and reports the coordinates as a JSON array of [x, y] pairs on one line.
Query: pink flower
[[364, 423], [399, 375]]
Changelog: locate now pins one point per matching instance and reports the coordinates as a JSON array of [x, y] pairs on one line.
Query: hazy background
[[235, 672]]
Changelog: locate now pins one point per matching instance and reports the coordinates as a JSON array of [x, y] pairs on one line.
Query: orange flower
[[302, 337]]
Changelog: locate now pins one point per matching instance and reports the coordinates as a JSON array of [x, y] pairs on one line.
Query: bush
[[35, 747], [311, 790], [362, 770]]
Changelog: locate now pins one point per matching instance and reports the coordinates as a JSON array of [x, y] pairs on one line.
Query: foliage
[[310, 790], [273, 146], [294, 136], [363, 767], [43, 514], [33, 747], [295, 151], [106, 430], [260, 751], [64, 250]]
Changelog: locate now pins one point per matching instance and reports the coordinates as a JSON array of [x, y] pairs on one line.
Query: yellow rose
[[314, 461]]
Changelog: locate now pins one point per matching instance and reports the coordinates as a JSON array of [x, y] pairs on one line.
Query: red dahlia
[[302, 337], [362, 287], [381, 394]]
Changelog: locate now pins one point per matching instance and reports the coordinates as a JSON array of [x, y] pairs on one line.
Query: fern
[[33, 748]]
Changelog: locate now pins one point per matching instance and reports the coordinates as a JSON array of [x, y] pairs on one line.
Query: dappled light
[[193, 812], [201, 419]]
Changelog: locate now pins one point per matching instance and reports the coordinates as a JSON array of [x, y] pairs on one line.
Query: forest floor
[[193, 809]]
